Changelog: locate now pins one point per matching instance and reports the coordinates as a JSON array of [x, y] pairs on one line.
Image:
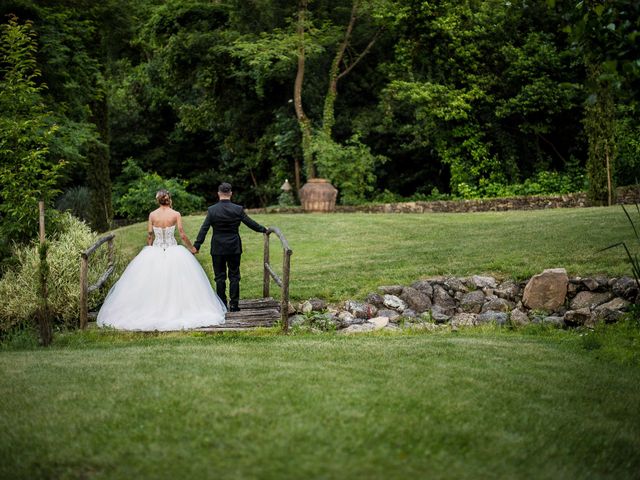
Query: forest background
[[101, 103]]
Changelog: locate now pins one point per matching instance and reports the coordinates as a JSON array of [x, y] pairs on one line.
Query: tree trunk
[[328, 114], [98, 176], [303, 120]]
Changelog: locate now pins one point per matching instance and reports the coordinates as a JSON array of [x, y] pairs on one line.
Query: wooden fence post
[[266, 276], [284, 305], [84, 290]]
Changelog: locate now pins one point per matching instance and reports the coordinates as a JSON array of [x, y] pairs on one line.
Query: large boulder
[[547, 290], [589, 299], [423, 286], [445, 302], [416, 300], [626, 288], [611, 311], [472, 302]]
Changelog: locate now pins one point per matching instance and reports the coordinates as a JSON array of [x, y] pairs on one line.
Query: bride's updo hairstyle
[[163, 197]]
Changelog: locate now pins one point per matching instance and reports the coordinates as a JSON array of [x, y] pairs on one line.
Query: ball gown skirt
[[162, 289]]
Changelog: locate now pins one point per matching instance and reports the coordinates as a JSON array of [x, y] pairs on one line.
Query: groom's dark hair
[[224, 187]]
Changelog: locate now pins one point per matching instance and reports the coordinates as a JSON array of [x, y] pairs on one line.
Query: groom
[[226, 246]]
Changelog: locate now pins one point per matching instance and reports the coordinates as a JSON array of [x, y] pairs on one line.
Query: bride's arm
[[183, 235], [150, 235]]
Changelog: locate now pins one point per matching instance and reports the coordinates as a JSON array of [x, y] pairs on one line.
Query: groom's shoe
[[234, 308]]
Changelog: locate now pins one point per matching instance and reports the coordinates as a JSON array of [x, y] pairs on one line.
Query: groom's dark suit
[[226, 246]]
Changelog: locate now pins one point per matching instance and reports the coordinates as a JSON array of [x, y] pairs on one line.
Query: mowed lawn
[[458, 406], [340, 256]]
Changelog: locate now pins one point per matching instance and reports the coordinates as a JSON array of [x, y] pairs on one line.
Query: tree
[[605, 32], [28, 173]]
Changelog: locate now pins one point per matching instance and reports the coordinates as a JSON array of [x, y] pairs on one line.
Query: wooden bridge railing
[[269, 273], [85, 288]]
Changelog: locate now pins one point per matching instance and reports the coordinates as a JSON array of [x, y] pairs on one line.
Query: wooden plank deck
[[261, 312]]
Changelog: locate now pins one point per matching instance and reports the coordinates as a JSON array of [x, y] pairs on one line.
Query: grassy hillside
[[337, 256]]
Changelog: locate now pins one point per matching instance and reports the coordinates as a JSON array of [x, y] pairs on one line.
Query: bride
[[164, 287]]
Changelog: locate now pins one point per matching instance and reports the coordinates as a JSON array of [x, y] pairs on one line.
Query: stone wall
[[550, 297], [625, 195]]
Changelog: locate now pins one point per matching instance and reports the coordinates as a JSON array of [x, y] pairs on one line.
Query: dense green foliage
[[135, 190], [403, 96], [27, 171]]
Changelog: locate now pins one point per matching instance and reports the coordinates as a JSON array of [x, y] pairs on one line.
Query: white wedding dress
[[163, 288]]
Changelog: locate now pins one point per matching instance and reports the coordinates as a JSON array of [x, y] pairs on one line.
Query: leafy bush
[[543, 183], [135, 192], [19, 287]]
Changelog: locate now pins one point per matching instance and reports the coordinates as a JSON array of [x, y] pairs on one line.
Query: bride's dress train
[[163, 288]]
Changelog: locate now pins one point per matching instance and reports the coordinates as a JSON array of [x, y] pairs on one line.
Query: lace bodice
[[164, 237]]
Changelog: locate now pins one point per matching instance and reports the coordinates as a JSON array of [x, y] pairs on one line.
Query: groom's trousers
[[223, 266]]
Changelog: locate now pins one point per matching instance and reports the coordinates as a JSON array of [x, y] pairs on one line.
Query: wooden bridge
[[262, 312]]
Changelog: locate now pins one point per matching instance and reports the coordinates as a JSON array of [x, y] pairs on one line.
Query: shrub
[[135, 192], [19, 287]]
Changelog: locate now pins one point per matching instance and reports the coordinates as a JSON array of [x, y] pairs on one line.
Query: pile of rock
[[550, 297]]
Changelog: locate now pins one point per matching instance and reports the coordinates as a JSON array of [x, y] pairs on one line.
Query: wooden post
[[41, 208], [266, 276], [284, 305], [84, 287], [112, 252]]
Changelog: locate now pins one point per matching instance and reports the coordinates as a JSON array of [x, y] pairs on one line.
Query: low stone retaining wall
[[451, 302], [625, 195]]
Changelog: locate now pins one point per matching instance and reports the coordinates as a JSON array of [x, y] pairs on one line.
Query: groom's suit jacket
[[225, 218]]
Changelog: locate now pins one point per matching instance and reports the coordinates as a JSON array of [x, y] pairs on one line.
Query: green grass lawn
[[483, 403], [338, 256], [467, 405]]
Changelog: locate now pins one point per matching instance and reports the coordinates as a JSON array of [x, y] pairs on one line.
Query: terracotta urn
[[318, 195]]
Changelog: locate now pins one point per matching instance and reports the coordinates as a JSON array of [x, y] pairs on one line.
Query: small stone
[[518, 317], [379, 322], [499, 318], [590, 283], [482, 282], [438, 315], [464, 320], [410, 314], [455, 285], [375, 299], [553, 320], [357, 309], [394, 302], [346, 319], [508, 290], [392, 315], [314, 305], [498, 305], [359, 328], [577, 317]]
